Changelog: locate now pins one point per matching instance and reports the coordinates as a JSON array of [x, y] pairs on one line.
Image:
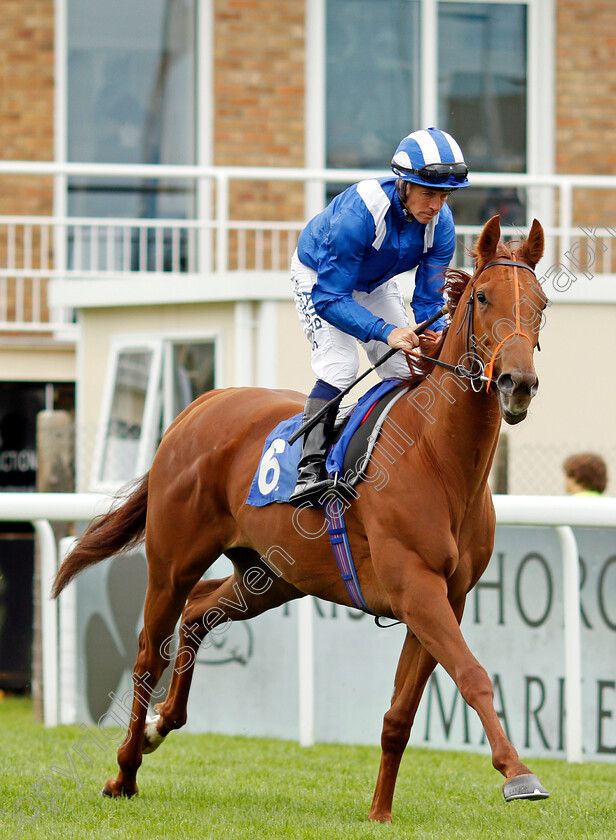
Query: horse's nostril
[[505, 383], [518, 382]]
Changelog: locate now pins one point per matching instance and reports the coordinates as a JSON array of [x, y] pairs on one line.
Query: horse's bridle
[[477, 371]]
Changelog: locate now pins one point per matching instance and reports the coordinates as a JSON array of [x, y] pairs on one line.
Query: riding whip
[[418, 330]]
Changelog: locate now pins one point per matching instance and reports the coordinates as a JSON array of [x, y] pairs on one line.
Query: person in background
[[585, 474]]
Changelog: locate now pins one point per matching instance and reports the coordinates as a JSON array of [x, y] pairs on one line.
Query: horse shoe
[[526, 786]]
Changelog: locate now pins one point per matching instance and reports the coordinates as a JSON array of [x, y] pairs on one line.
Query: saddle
[[356, 432]]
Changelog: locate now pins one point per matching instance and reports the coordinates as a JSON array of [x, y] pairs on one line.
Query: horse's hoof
[[152, 739], [526, 786], [382, 818], [113, 791]]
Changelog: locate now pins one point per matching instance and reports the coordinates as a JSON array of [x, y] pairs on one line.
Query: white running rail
[[560, 513]]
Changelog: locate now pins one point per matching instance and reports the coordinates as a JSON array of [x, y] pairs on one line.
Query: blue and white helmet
[[432, 158]]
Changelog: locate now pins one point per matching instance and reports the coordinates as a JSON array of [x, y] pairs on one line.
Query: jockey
[[343, 274]]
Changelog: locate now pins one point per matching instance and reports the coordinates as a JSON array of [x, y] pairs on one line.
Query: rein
[[478, 372]]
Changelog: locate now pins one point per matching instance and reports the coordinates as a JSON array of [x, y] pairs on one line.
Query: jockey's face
[[423, 203]]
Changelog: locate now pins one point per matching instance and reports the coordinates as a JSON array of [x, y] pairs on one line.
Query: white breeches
[[335, 359]]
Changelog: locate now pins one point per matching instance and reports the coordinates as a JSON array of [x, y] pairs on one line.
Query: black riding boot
[[312, 481]]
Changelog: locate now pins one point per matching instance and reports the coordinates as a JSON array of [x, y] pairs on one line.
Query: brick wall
[[26, 132], [585, 91], [26, 99], [26, 129], [259, 99]]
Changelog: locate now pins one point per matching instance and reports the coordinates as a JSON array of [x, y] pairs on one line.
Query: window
[[189, 373], [482, 82], [149, 382], [396, 65], [482, 93], [125, 437], [372, 79], [131, 99]]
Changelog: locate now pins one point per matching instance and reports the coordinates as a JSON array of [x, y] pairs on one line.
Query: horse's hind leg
[[163, 604], [211, 604], [171, 714], [414, 668]]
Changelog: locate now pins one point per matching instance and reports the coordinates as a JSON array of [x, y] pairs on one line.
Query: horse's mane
[[456, 281]]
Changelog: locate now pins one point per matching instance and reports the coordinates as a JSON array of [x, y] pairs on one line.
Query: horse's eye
[[481, 297]]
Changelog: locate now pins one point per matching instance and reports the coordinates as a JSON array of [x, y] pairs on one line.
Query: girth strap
[[336, 528]]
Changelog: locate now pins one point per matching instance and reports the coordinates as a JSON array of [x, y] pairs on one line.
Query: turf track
[[202, 787]]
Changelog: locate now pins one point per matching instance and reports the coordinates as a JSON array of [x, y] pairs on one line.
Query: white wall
[[575, 408]]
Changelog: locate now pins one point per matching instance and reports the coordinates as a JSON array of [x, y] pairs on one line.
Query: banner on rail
[[246, 678]]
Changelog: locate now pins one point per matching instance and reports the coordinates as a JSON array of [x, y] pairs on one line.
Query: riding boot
[[312, 480]]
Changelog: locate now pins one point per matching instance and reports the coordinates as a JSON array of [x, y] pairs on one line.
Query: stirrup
[[310, 493], [322, 492], [341, 489]]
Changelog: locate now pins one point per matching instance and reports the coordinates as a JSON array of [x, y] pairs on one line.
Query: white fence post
[[305, 640], [49, 620], [67, 644], [38, 509], [573, 639]]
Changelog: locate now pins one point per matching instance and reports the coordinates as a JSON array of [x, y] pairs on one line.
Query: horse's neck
[[464, 429]]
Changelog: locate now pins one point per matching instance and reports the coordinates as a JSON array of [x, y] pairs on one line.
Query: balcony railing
[[51, 264]]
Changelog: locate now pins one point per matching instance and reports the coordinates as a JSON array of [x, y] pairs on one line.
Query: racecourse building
[[159, 157]]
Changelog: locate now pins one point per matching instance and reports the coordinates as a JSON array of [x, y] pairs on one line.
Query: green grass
[[206, 786]]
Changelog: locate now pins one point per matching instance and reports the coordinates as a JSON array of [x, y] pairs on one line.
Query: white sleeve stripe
[[429, 232], [373, 196]]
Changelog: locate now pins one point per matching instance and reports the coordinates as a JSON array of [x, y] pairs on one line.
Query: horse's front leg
[[422, 604], [414, 668]]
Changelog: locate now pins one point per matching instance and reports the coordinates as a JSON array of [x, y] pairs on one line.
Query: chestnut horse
[[419, 546]]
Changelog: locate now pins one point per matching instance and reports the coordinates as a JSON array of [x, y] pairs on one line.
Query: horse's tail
[[113, 533]]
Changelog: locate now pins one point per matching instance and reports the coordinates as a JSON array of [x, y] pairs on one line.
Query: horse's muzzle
[[516, 389]]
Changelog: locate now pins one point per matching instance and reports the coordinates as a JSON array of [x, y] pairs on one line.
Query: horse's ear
[[532, 248], [488, 240]]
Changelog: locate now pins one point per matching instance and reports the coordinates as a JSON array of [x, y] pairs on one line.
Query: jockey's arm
[[338, 272], [350, 317], [427, 296]]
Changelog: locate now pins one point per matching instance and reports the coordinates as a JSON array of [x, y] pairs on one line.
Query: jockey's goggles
[[438, 173]]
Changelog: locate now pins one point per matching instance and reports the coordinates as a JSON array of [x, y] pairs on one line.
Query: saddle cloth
[[349, 455]]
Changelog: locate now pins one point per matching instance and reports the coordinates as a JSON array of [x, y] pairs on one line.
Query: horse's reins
[[309, 424], [478, 372]]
